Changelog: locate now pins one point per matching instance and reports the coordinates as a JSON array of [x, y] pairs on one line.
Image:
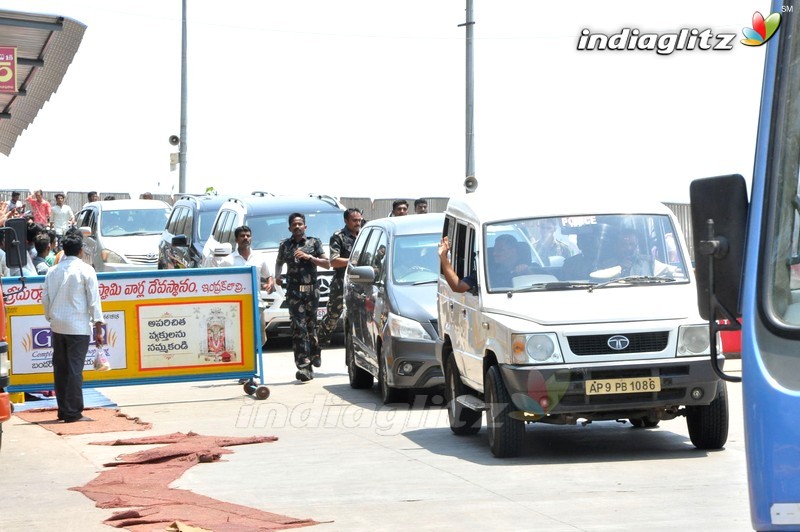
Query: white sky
[[366, 98]]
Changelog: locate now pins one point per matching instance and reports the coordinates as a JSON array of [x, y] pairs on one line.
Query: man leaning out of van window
[[456, 285]]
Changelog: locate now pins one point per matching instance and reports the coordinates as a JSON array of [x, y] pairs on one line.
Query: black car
[[187, 230], [390, 300]]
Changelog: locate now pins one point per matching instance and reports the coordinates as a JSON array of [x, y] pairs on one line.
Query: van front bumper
[[413, 363], [683, 382]]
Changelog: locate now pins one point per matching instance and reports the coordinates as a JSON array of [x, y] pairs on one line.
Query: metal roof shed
[[46, 45]]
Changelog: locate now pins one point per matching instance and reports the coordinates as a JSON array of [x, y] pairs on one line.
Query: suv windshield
[[589, 248], [269, 230], [133, 222]]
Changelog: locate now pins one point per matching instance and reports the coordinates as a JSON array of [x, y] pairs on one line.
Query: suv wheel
[[463, 421], [708, 424], [359, 378], [506, 433]]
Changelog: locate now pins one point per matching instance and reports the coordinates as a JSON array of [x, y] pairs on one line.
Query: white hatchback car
[[122, 235]]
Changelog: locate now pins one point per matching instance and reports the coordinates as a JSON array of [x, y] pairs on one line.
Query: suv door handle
[[450, 305]]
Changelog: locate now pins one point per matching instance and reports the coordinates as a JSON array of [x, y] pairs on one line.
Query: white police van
[[593, 318]]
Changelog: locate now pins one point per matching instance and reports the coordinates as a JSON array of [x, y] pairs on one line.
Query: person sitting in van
[[581, 265], [504, 264], [456, 285], [548, 245], [628, 257]]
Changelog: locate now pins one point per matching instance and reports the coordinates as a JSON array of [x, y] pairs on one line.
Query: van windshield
[[587, 248], [125, 222], [269, 230], [415, 258]]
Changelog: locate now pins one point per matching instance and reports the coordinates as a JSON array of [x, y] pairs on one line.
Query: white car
[[122, 235]]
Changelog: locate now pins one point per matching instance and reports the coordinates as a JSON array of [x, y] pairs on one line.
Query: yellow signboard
[[161, 326]]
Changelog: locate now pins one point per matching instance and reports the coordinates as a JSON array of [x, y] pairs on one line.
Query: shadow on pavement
[[601, 441]]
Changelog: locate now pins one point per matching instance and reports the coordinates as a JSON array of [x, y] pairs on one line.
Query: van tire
[[388, 393], [463, 421], [506, 434], [708, 424], [360, 379]]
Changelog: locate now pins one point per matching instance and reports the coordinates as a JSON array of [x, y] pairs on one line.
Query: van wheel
[[506, 434], [708, 424], [388, 393], [359, 378], [463, 421]]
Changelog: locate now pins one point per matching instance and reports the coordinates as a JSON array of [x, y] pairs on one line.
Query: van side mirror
[[719, 209], [180, 241], [15, 234]]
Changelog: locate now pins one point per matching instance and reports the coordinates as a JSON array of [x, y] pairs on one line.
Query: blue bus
[[748, 266]]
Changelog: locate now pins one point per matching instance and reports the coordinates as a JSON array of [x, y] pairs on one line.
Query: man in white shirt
[[243, 256], [61, 216], [71, 301]]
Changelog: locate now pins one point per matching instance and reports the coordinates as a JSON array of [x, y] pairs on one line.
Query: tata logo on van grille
[[618, 342]]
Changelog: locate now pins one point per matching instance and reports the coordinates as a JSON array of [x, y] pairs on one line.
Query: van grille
[[597, 344], [150, 258]]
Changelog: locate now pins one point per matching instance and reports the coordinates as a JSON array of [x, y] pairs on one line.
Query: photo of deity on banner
[[215, 334], [217, 348]]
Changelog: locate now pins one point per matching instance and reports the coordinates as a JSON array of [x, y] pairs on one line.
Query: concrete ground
[[344, 459]]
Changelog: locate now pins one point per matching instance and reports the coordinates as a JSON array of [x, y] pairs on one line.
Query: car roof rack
[[327, 199], [261, 193]]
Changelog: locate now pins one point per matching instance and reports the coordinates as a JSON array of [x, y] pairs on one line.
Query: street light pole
[[470, 183], [182, 147]]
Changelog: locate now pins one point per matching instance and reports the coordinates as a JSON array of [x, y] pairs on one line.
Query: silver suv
[[268, 218]]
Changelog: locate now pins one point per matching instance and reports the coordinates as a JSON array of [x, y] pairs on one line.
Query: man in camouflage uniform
[[302, 254], [341, 245]]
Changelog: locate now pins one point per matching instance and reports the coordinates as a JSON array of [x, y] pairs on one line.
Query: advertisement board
[[8, 69], [160, 326]]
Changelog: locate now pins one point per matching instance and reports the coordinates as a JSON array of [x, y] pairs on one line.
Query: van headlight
[[535, 349], [693, 340], [109, 256], [407, 329]]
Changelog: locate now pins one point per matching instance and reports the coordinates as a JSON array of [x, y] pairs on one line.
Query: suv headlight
[[535, 349], [693, 341], [109, 256], [407, 329]]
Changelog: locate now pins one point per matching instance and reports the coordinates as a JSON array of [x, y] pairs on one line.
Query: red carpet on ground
[[103, 420], [140, 483]]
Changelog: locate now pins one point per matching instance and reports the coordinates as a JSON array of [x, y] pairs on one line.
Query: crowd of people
[[47, 224]]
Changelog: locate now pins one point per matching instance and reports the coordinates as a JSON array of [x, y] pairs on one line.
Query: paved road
[[344, 459]]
